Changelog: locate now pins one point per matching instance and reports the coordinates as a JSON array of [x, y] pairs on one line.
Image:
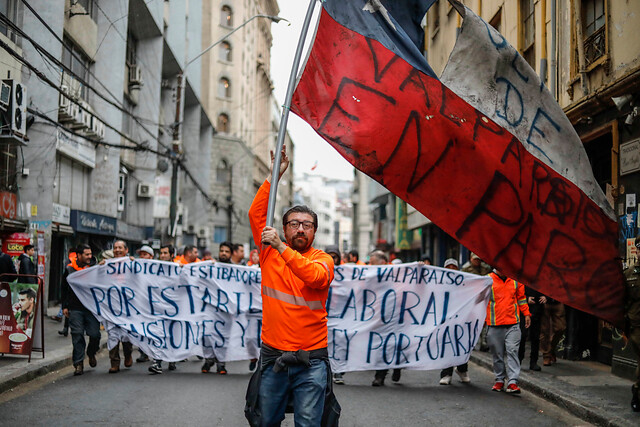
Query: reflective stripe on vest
[[291, 299]]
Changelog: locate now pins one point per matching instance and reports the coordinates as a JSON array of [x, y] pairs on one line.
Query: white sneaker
[[446, 380], [464, 376]]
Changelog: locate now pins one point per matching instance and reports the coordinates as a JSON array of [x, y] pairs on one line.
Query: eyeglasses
[[293, 224]]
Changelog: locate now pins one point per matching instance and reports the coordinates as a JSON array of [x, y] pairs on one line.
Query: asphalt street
[[188, 397]]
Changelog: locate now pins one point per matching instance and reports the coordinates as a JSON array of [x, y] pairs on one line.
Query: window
[[9, 9], [223, 123], [224, 88], [225, 51], [219, 234], [593, 21], [223, 173], [528, 31], [226, 16], [89, 7], [74, 59]]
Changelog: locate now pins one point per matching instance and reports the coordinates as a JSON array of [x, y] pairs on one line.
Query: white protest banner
[[404, 316], [172, 312]]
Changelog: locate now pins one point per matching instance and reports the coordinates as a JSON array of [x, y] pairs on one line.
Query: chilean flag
[[484, 152]]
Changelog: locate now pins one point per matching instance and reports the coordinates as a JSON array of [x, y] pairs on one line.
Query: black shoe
[[64, 332], [172, 366], [378, 382], [142, 358], [206, 367], [79, 369], [395, 377], [252, 365], [635, 401], [535, 367], [92, 360], [155, 368]]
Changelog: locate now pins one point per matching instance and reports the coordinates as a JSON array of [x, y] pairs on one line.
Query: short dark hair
[[227, 244], [189, 248], [355, 254], [426, 258], [172, 250], [300, 209], [82, 247], [27, 248], [29, 292], [237, 246]]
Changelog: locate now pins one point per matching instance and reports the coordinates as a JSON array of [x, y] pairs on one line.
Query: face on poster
[[18, 303]]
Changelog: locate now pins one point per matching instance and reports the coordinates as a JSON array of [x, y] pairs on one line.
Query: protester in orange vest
[[190, 255], [295, 286], [506, 304]]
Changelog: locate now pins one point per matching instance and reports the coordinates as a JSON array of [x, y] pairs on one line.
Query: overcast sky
[[309, 147]]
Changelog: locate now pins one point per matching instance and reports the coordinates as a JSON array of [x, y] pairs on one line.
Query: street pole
[[176, 149], [275, 175]]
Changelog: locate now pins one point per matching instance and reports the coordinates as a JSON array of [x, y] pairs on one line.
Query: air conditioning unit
[[121, 202], [71, 86], [5, 96], [100, 131], [65, 110], [145, 190], [19, 109], [203, 233], [135, 76], [86, 119], [191, 229]]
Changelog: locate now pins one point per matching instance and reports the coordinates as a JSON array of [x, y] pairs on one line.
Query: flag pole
[[275, 176]]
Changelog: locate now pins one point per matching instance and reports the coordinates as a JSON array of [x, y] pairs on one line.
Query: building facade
[[583, 51], [238, 90], [95, 157]]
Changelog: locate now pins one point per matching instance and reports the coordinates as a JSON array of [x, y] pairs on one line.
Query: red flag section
[[465, 173]]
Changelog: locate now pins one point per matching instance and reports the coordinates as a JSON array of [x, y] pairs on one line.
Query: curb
[[40, 368], [562, 400]]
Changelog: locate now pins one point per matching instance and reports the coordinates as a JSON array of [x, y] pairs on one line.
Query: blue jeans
[[82, 321], [307, 387]]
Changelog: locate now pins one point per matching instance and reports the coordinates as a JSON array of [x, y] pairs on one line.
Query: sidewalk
[[15, 370], [586, 389]]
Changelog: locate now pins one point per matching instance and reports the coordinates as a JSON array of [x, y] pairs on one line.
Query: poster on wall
[[18, 317], [13, 246], [632, 252]]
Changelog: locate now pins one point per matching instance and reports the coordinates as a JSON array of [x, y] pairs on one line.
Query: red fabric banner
[[468, 175]]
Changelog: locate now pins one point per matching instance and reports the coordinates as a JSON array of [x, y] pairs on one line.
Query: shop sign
[[630, 157], [162, 197], [8, 204], [85, 222], [61, 214], [77, 149]]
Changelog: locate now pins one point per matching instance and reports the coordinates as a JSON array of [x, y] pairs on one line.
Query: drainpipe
[[552, 74]]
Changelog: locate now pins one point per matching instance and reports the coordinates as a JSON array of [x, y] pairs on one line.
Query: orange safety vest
[[180, 260], [507, 302], [295, 287]]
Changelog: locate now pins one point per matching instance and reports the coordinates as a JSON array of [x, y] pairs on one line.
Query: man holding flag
[[295, 285]]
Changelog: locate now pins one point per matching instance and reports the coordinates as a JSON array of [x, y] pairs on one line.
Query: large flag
[[486, 153]]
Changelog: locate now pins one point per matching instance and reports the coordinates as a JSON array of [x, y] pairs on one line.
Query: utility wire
[[117, 104]]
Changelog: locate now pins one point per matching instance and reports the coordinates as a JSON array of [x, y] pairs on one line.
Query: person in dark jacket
[[536, 302], [7, 268], [27, 266], [81, 320]]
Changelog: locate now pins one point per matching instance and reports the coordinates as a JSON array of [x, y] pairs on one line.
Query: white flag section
[[172, 312], [408, 315], [404, 316]]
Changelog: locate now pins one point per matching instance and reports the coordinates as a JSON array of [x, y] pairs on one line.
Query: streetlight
[[177, 143]]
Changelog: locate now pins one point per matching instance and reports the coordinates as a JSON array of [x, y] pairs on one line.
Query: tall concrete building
[[94, 86], [237, 88]]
